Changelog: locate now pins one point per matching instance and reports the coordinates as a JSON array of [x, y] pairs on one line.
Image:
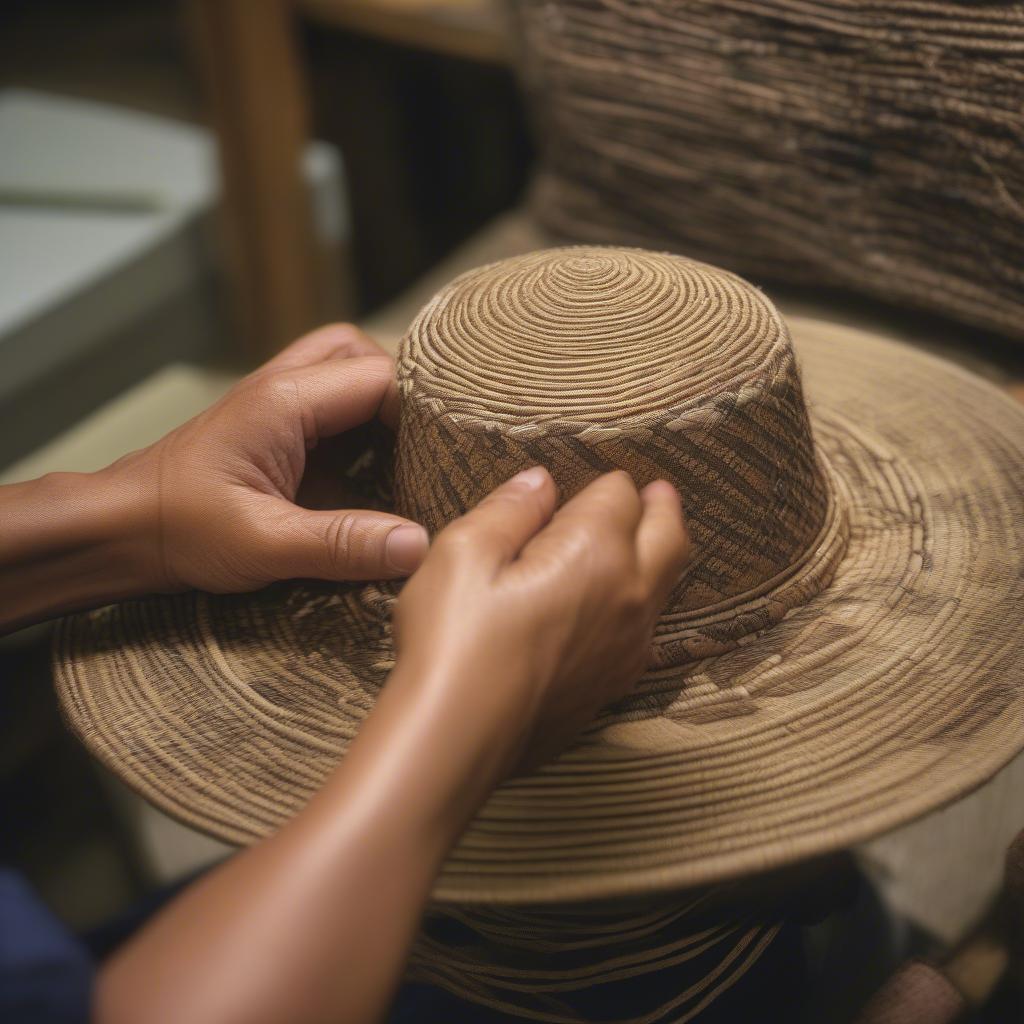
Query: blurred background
[[187, 186]]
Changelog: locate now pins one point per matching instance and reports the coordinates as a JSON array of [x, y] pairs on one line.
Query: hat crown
[[588, 359]]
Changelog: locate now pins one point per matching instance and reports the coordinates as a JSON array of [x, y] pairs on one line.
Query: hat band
[[686, 636]]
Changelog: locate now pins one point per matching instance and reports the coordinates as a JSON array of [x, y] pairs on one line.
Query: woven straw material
[[566, 965], [873, 146], [530, 369], [891, 685]]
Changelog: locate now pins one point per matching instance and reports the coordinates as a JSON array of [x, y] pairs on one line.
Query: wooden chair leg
[[250, 67]]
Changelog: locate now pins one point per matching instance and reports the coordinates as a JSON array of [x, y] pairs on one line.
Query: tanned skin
[[518, 625]]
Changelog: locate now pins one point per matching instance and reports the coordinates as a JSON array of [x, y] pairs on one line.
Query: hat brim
[[897, 689]]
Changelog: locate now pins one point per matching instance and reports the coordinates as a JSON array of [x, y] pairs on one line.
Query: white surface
[[49, 256], [944, 871], [78, 147], [71, 144], [70, 277]]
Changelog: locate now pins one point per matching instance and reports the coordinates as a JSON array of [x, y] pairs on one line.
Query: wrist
[[424, 761], [127, 527], [482, 713], [72, 541], [412, 778]]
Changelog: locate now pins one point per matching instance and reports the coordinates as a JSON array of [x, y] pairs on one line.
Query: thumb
[[349, 544]]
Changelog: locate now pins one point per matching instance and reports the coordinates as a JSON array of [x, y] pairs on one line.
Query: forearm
[[315, 923], [71, 541]]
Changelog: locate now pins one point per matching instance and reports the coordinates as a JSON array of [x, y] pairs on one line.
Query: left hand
[[221, 489]]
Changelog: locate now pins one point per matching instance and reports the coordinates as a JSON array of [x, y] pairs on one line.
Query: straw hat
[[844, 653]]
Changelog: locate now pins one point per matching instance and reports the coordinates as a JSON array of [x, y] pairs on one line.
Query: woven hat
[[843, 654]]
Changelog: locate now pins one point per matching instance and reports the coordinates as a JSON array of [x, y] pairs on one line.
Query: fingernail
[[406, 547], [532, 478]]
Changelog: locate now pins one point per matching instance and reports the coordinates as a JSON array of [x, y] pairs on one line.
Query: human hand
[[527, 622], [219, 493], [519, 626]]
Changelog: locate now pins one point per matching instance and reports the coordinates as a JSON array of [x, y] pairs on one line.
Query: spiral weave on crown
[[588, 359]]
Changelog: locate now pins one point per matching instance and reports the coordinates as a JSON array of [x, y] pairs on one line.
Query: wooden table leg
[[250, 67]]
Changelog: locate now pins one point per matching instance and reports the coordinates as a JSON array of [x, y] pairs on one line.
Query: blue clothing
[[46, 973]]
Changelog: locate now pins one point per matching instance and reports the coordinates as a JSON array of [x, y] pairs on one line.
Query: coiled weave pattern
[[590, 359], [875, 146]]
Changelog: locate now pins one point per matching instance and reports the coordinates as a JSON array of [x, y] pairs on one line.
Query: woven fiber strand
[[526, 363], [873, 146], [890, 690], [565, 965]]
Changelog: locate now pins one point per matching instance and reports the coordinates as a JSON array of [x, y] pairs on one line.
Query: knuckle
[[617, 562], [342, 538], [607, 557], [275, 390], [583, 545], [619, 484], [342, 327], [457, 539]]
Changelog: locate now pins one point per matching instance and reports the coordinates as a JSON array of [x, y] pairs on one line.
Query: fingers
[[335, 395], [498, 528], [375, 545], [332, 341], [610, 500], [602, 518], [347, 545], [642, 533], [662, 540], [335, 343]]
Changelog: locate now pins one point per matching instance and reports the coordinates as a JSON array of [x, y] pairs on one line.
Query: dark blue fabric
[[46, 974]]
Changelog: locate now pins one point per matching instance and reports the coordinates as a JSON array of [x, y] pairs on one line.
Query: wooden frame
[[253, 76]]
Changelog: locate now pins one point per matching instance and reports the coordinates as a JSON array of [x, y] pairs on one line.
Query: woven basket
[[875, 147]]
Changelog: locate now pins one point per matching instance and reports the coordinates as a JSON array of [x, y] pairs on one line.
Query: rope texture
[[874, 146], [568, 965], [590, 359]]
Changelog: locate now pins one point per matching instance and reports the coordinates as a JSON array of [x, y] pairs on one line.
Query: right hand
[[526, 621]]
